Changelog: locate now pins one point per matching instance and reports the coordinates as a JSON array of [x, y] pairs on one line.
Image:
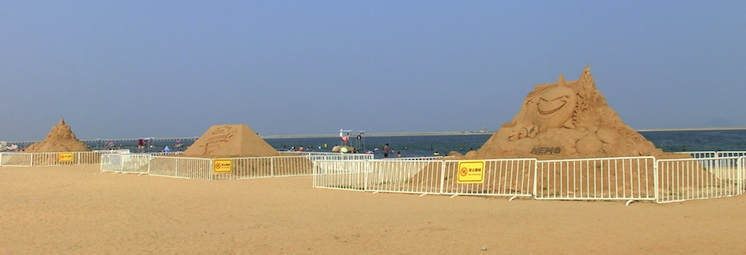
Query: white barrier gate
[[181, 167], [16, 159], [399, 176], [126, 163], [504, 177], [53, 158], [345, 175], [624, 178], [699, 178]]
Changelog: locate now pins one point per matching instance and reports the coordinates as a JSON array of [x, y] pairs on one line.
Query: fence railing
[[126, 163], [181, 167], [623, 178], [337, 156], [688, 179], [198, 168], [626, 178], [265, 167], [714, 154], [54, 158], [415, 158], [341, 174], [502, 177]]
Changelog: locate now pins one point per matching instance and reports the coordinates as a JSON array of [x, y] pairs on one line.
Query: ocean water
[[676, 141], [419, 146]]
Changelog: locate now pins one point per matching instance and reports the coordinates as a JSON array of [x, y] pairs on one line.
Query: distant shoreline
[[190, 138], [481, 133], [377, 135]]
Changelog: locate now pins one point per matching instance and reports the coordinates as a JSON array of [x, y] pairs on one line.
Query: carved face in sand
[[555, 107]]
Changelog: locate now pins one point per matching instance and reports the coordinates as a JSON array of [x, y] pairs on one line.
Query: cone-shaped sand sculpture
[[60, 139], [225, 141], [567, 119]]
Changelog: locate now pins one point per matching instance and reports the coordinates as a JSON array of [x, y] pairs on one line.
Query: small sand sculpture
[[60, 139], [567, 119], [226, 141]]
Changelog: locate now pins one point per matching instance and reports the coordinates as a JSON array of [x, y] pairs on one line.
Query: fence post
[[365, 176], [212, 165], [380, 170], [655, 179], [442, 175], [177, 167], [272, 166], [313, 172], [740, 177], [536, 176], [32, 160]]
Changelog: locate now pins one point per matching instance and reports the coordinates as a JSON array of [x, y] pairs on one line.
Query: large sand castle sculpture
[[567, 119], [60, 139], [226, 141]]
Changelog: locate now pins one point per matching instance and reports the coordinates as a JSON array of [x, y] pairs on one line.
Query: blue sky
[[126, 69]]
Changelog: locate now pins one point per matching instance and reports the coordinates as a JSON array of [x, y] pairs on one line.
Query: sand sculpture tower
[[566, 119], [60, 139]]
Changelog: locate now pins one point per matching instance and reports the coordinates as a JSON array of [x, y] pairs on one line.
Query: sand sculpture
[[60, 139], [566, 119], [226, 141]]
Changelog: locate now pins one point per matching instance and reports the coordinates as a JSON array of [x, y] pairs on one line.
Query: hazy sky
[[127, 69]]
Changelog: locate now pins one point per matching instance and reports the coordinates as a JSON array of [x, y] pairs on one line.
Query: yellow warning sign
[[222, 166], [66, 157], [471, 171]]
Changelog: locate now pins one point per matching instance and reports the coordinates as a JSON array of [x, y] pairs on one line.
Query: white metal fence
[[714, 154], [338, 156], [202, 168], [265, 167], [688, 179], [181, 167], [126, 163], [341, 174], [54, 158], [415, 158], [623, 178], [700, 154], [505, 177]]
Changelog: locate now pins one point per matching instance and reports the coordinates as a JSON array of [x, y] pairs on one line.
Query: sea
[[423, 146]]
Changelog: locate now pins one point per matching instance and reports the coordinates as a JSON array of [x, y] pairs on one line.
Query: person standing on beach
[[386, 151]]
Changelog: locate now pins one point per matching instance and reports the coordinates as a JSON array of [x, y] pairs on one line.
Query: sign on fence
[[66, 157], [471, 171], [222, 166]]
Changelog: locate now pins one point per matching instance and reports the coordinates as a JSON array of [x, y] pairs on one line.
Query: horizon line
[[389, 134], [484, 133]]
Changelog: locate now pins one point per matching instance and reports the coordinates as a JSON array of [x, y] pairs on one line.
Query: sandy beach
[[78, 210]]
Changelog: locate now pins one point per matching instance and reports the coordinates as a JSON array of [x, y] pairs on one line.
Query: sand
[[77, 210]]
